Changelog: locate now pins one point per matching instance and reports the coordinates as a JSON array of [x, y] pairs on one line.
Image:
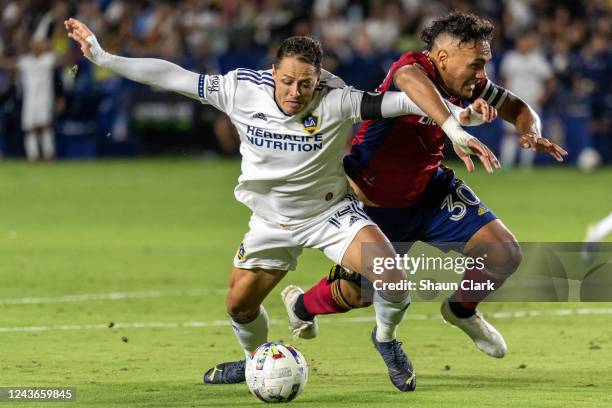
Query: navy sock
[[458, 309], [300, 310]]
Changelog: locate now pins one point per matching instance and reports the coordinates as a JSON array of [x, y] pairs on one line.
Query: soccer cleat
[[226, 373], [401, 371], [485, 336], [303, 329]]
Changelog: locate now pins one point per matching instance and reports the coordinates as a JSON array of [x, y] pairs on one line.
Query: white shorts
[[273, 246]]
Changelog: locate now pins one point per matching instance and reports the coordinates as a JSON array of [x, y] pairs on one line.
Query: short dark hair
[[303, 48], [463, 26]]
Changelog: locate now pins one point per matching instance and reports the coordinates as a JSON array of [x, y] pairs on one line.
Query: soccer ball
[[276, 372]]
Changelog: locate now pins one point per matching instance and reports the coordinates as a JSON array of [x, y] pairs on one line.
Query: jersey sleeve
[[345, 103], [495, 95], [218, 90]]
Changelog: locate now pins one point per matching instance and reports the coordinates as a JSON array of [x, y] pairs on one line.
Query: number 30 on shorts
[[459, 208]]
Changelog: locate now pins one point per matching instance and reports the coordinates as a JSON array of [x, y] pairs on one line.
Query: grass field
[[147, 246]]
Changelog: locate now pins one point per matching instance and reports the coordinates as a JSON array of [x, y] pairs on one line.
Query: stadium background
[[99, 114], [113, 272]]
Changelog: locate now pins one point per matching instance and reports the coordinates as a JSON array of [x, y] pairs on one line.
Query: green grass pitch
[[146, 247]]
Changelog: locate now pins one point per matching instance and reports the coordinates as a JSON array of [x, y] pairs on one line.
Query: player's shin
[[474, 287], [323, 298], [31, 146], [48, 145], [252, 332], [389, 315]]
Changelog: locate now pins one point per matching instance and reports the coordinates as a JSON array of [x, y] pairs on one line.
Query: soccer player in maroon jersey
[[412, 197]]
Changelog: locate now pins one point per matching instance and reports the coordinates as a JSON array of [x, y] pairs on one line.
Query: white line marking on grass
[[349, 320], [88, 297]]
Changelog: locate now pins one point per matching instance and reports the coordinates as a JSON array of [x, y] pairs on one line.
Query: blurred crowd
[[361, 39]]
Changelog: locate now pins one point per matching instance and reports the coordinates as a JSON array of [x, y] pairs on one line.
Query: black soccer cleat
[[226, 373], [401, 371]]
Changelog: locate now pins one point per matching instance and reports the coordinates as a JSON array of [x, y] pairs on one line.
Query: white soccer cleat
[[303, 329], [485, 336]]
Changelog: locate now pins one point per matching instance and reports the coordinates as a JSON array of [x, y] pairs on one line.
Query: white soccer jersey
[[291, 165], [526, 75], [37, 83]]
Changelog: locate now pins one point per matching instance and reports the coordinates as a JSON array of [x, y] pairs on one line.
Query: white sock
[[254, 333], [508, 150], [388, 317], [31, 146], [48, 144], [601, 229], [527, 158]]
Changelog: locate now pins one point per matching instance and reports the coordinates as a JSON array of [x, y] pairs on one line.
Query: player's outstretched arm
[[527, 122], [357, 105], [413, 81], [149, 71], [398, 104]]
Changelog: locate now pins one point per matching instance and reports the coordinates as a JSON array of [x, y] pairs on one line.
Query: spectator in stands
[[36, 72], [597, 60], [526, 73]]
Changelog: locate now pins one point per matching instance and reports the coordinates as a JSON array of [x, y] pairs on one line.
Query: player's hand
[[479, 111], [541, 144], [79, 32], [485, 155]]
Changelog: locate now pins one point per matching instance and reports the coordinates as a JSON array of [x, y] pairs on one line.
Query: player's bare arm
[[414, 82], [527, 122]]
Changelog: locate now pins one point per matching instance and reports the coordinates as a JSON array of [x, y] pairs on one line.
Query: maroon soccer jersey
[[393, 159]]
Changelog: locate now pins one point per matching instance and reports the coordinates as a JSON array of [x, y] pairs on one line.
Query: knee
[[505, 260], [393, 286], [240, 310]]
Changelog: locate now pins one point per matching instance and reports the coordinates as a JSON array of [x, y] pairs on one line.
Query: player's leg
[[503, 258], [47, 142], [348, 237], [30, 142], [247, 290], [343, 290], [337, 293], [262, 260], [595, 234], [390, 306], [526, 159], [509, 146], [463, 220]]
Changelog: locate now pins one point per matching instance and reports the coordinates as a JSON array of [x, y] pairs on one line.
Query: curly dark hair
[[463, 26], [303, 48]]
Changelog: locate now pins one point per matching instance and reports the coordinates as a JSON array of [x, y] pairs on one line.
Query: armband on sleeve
[[371, 106]]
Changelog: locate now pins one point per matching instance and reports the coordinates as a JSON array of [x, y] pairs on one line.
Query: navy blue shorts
[[447, 216]]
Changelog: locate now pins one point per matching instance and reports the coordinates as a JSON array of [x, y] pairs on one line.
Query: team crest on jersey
[[240, 254], [311, 123]]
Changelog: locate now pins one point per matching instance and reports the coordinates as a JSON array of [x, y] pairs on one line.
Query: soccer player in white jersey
[[36, 75], [525, 72], [292, 121]]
